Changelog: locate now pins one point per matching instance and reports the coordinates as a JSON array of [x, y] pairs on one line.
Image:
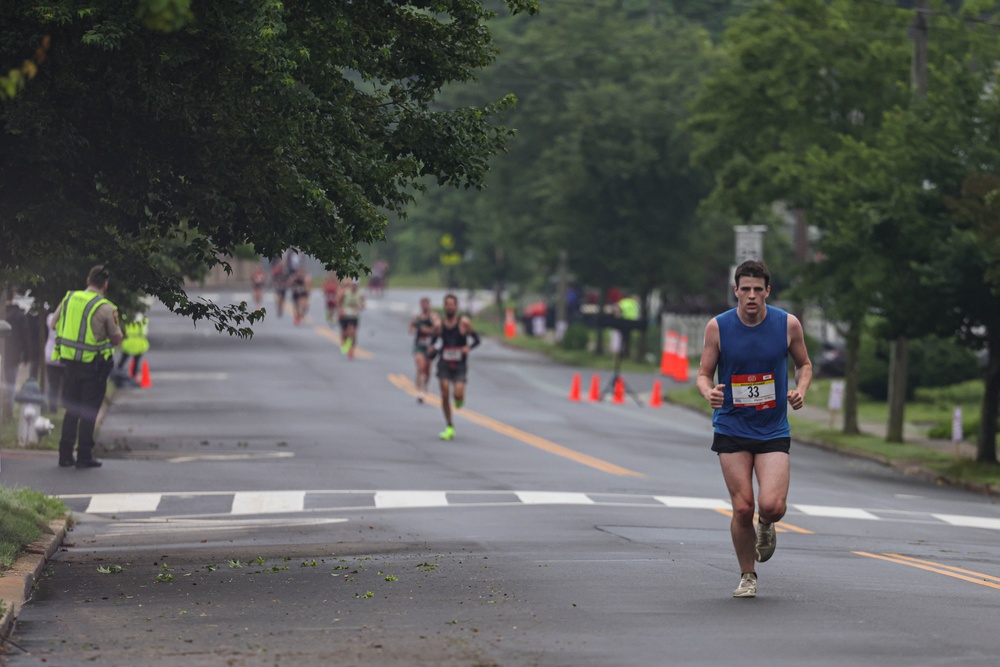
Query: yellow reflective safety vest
[[136, 341], [629, 308], [75, 340]]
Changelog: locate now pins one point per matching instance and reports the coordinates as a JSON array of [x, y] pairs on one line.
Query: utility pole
[[899, 360]]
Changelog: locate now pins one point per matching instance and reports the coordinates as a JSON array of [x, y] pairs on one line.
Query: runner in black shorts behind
[[452, 369]]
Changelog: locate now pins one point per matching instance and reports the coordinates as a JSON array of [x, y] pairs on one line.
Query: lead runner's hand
[[716, 397], [795, 399]]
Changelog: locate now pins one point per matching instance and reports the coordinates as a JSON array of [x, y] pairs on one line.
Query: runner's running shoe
[[767, 539], [459, 402], [448, 433], [747, 587]]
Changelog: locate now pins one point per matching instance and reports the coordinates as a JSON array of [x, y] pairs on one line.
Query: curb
[[17, 583]]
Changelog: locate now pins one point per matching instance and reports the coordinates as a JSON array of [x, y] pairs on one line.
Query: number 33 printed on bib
[[754, 391]]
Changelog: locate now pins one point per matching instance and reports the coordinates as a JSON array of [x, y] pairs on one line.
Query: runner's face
[[750, 296], [425, 306], [450, 307]]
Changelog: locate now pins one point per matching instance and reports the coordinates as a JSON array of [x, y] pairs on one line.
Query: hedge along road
[[271, 502]]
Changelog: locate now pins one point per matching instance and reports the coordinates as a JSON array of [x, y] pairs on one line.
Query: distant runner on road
[[423, 327], [350, 304], [454, 330]]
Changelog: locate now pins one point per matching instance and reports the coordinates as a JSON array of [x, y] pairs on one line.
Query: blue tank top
[[753, 364]]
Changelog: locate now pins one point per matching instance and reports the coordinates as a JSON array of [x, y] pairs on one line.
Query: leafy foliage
[[257, 122]]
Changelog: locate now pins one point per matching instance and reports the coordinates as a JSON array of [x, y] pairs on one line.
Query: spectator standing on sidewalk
[[87, 331], [55, 369], [749, 346]]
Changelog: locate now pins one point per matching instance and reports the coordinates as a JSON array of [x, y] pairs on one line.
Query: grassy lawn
[[24, 516]]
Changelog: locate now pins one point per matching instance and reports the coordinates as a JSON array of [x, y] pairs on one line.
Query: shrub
[[576, 337], [934, 362]]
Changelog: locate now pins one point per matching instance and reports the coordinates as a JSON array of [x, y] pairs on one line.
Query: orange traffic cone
[[509, 326], [145, 382], [595, 389], [668, 360], [574, 389], [682, 371], [656, 395], [619, 391]]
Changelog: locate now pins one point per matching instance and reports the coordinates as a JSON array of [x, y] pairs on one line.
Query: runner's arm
[[803, 366], [475, 339], [707, 387]]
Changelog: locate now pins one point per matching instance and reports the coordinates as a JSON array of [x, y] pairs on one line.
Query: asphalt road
[[270, 502]]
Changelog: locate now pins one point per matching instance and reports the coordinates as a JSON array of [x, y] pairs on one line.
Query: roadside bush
[[934, 362], [970, 430], [576, 337]]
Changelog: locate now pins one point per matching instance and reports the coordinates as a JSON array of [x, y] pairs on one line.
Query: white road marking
[[836, 512], [270, 502], [385, 499], [553, 498], [230, 457], [681, 502], [154, 525], [969, 521], [113, 503], [267, 502]]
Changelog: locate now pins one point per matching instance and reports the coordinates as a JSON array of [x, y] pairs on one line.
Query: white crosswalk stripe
[[268, 502], [112, 503], [551, 498], [243, 503], [836, 512]]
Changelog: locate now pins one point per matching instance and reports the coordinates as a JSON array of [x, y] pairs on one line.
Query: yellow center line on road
[[946, 570], [404, 383], [334, 338], [780, 527]]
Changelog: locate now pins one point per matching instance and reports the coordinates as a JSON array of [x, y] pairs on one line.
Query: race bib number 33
[[754, 391]]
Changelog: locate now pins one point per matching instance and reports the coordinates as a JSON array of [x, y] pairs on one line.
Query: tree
[[257, 122], [796, 79]]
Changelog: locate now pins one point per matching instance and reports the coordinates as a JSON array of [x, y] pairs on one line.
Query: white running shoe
[[747, 587]]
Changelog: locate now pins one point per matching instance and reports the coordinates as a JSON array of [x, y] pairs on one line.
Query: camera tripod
[[609, 387]]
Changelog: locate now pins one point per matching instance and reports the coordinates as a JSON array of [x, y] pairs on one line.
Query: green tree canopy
[[256, 122]]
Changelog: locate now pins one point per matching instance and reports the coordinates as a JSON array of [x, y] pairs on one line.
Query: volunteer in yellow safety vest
[[134, 345], [628, 309], [87, 331]]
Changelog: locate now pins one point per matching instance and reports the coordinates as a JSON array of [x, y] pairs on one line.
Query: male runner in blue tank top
[[749, 346], [455, 332]]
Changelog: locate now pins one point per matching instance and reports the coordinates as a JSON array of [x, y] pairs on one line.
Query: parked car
[[832, 362]]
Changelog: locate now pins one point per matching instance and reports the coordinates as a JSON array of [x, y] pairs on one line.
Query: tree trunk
[[602, 299], [986, 443], [852, 371], [642, 348], [498, 286], [899, 362]]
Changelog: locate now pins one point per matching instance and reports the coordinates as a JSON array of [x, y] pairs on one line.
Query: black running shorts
[[728, 444], [453, 372]]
